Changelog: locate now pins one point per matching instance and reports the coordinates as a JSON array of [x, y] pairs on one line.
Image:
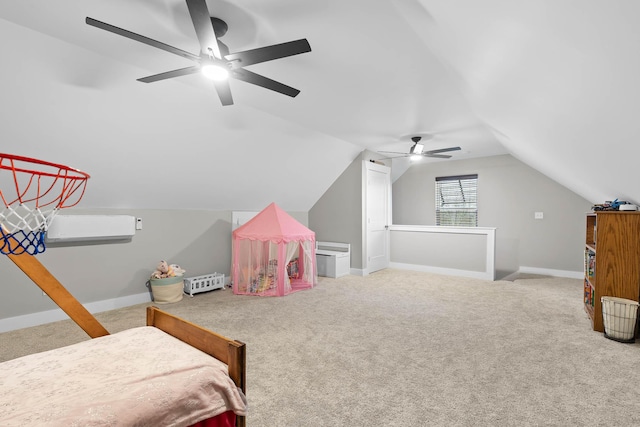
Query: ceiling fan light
[[417, 148], [215, 72], [415, 157]]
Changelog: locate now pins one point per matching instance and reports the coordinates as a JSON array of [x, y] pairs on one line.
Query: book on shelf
[[589, 263]]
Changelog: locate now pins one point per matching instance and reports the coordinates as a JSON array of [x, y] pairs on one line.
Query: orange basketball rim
[[32, 191]]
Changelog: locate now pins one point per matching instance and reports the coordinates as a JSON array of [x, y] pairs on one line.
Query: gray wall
[[337, 215], [509, 192], [435, 249], [199, 241]]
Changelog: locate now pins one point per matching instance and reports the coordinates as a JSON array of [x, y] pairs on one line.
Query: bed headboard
[[228, 351]]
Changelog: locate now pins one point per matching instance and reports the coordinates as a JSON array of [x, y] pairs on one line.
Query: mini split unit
[[90, 228]]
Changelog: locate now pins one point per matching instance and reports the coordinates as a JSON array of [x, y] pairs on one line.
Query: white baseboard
[[40, 318], [356, 272], [445, 271], [551, 272], [488, 276], [510, 277]]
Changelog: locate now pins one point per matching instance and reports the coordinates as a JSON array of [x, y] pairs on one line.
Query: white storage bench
[[208, 282], [333, 259]]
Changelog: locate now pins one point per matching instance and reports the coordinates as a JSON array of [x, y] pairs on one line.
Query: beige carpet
[[401, 348]]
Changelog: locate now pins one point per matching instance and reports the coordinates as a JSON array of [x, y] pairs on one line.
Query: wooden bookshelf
[[612, 260]]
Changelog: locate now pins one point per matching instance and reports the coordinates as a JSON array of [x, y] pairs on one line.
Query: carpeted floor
[[401, 348]]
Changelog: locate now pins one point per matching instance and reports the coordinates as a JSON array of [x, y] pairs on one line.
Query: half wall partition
[[456, 251]]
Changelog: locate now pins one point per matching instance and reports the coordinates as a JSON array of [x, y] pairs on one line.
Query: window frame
[[463, 209]]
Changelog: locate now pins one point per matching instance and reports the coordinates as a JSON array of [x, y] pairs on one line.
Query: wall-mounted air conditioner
[[78, 228]]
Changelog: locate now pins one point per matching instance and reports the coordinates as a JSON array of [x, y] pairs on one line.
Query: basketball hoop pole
[[59, 294]]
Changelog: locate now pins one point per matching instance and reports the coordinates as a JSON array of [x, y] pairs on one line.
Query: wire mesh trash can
[[620, 317]]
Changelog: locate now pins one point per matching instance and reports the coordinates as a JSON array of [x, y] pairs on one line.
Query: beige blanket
[[138, 377]]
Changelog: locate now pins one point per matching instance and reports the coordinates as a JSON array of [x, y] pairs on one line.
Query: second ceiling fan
[[215, 60], [417, 149]]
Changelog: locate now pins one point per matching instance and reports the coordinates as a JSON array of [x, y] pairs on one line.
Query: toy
[[609, 205], [179, 271], [164, 270]]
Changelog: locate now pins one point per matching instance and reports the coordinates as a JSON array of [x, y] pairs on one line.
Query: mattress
[[138, 377]]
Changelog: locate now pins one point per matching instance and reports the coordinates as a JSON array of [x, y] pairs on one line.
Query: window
[[457, 200]]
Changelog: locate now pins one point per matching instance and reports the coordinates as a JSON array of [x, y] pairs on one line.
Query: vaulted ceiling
[[552, 83]]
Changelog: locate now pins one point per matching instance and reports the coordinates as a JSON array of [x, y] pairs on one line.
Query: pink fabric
[[275, 225], [261, 250], [137, 377]]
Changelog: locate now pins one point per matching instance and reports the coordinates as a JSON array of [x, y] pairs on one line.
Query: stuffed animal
[[177, 270], [163, 270]]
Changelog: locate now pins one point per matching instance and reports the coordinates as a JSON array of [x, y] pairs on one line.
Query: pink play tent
[[273, 255]]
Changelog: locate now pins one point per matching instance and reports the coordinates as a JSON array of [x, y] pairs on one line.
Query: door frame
[[371, 166]]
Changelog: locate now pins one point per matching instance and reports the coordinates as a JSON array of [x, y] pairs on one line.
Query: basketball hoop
[[32, 191]]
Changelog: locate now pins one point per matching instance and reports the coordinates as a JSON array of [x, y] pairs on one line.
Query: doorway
[[377, 217]]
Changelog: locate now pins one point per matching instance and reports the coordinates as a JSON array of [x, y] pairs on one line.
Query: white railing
[[457, 251]]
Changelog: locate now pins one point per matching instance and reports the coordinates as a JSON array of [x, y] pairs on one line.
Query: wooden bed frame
[[228, 351]]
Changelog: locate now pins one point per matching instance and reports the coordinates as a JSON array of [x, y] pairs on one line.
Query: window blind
[[457, 200]]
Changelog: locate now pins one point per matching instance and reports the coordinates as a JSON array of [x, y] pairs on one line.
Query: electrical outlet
[[138, 223], [538, 215]]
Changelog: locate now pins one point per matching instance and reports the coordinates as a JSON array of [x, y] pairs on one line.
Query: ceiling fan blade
[[224, 49], [439, 156], [141, 39], [265, 82], [268, 53], [170, 74], [204, 28], [393, 152], [224, 92], [442, 150], [394, 157]]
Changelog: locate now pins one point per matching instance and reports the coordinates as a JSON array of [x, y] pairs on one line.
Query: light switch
[[538, 215]]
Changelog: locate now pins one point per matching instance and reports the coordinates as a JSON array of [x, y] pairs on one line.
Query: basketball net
[[32, 192]]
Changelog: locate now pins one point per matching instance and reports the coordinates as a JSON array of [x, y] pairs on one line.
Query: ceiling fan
[[214, 59], [417, 149]]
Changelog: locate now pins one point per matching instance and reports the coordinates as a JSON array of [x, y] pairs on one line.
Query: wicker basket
[[167, 290], [619, 316]]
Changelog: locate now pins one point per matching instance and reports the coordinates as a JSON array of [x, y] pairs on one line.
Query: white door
[[377, 216]]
